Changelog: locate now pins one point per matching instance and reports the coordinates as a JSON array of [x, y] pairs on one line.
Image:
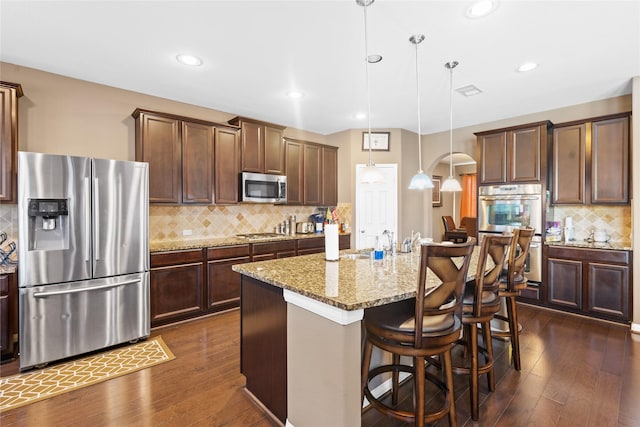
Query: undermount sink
[[360, 255]]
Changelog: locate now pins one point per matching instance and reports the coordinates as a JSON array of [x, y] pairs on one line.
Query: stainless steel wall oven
[[501, 208]]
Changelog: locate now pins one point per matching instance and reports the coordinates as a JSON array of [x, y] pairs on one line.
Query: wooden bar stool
[[511, 283], [425, 326], [480, 304]]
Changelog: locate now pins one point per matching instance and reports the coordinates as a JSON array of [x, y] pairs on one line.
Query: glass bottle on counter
[[378, 251]]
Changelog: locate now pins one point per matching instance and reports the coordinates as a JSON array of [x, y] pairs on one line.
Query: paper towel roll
[[331, 247], [331, 274], [568, 222]]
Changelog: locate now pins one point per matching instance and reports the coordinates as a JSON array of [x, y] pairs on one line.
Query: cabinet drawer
[[164, 259], [227, 252], [274, 247], [598, 255], [311, 243]]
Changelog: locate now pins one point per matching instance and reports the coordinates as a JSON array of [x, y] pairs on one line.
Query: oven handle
[[509, 198], [93, 288]]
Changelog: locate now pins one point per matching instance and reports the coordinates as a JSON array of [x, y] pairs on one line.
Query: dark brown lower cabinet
[[263, 358], [271, 250], [177, 286], [8, 316], [223, 284], [594, 282]]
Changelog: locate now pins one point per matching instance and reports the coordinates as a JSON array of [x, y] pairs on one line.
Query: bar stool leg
[[395, 380], [448, 372], [473, 375], [486, 335], [418, 382], [512, 314]]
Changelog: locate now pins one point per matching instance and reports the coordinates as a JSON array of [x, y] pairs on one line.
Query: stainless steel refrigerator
[[83, 266]]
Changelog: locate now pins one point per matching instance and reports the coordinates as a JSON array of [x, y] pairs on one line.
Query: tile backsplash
[[167, 223], [615, 220]]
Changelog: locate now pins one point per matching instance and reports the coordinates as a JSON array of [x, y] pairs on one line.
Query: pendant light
[[420, 180], [370, 174], [451, 184]]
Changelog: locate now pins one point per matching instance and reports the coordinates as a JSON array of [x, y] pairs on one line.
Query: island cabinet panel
[[569, 162], [197, 163], [273, 250], [263, 355], [513, 155], [8, 316], [223, 284], [590, 161], [9, 94], [593, 282], [227, 166], [177, 286], [294, 172]]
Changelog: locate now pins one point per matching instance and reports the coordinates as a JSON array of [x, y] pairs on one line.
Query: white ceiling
[[255, 52]]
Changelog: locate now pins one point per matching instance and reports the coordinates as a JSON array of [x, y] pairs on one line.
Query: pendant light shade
[[370, 174], [420, 180], [451, 184]]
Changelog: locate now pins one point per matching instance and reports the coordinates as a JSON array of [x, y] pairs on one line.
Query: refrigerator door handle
[[87, 215], [77, 290], [96, 225]]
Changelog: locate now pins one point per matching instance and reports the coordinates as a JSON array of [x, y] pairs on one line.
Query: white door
[[376, 207]]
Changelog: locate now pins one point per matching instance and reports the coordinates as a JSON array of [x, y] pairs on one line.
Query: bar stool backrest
[[518, 253], [493, 254]]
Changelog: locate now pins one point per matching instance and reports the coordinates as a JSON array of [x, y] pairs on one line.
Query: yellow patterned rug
[[23, 389]]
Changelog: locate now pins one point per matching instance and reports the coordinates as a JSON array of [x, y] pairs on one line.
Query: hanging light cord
[[419, 115], [452, 66], [366, 68]]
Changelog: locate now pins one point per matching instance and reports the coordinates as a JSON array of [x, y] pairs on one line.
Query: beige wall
[[61, 115], [635, 208]]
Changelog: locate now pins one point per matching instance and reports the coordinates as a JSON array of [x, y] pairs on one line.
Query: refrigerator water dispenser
[[48, 224]]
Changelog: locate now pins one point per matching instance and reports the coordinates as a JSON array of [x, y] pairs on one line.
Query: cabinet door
[[608, 290], [493, 158], [565, 282], [524, 154], [329, 176], [293, 170], [158, 143], [197, 163], [273, 151], [8, 142], [252, 147], [312, 161], [568, 170], [227, 165], [610, 161], [5, 332], [176, 293], [224, 283]]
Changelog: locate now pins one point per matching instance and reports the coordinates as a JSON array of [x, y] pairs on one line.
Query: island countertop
[[348, 284]]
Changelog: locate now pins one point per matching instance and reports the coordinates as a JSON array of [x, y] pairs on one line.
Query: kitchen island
[[301, 330]]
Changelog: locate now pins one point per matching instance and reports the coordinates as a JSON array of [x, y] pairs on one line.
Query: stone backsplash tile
[[167, 223], [615, 220], [9, 221]]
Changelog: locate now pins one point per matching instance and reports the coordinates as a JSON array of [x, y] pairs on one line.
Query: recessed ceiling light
[[294, 94], [185, 59], [361, 116], [374, 58], [527, 66], [469, 90], [481, 8]]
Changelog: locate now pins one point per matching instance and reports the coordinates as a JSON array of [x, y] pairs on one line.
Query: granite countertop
[[619, 245], [212, 242], [8, 269], [348, 284]]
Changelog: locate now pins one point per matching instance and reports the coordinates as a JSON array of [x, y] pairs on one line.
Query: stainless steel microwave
[[263, 188]]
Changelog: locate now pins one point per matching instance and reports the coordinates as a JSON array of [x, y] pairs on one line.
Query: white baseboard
[[635, 328], [384, 387]]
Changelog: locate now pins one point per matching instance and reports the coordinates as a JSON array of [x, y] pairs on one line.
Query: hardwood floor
[[575, 372]]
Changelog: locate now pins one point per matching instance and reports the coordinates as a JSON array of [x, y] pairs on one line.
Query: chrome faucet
[[415, 240]]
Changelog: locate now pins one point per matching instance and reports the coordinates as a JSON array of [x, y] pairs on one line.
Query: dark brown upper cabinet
[[227, 165], [513, 155], [180, 153], [9, 93], [312, 173], [590, 161], [262, 146]]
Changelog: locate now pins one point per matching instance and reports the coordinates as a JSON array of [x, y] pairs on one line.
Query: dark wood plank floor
[[576, 372]]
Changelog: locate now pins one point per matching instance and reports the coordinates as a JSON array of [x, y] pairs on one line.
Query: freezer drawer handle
[[93, 288]]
